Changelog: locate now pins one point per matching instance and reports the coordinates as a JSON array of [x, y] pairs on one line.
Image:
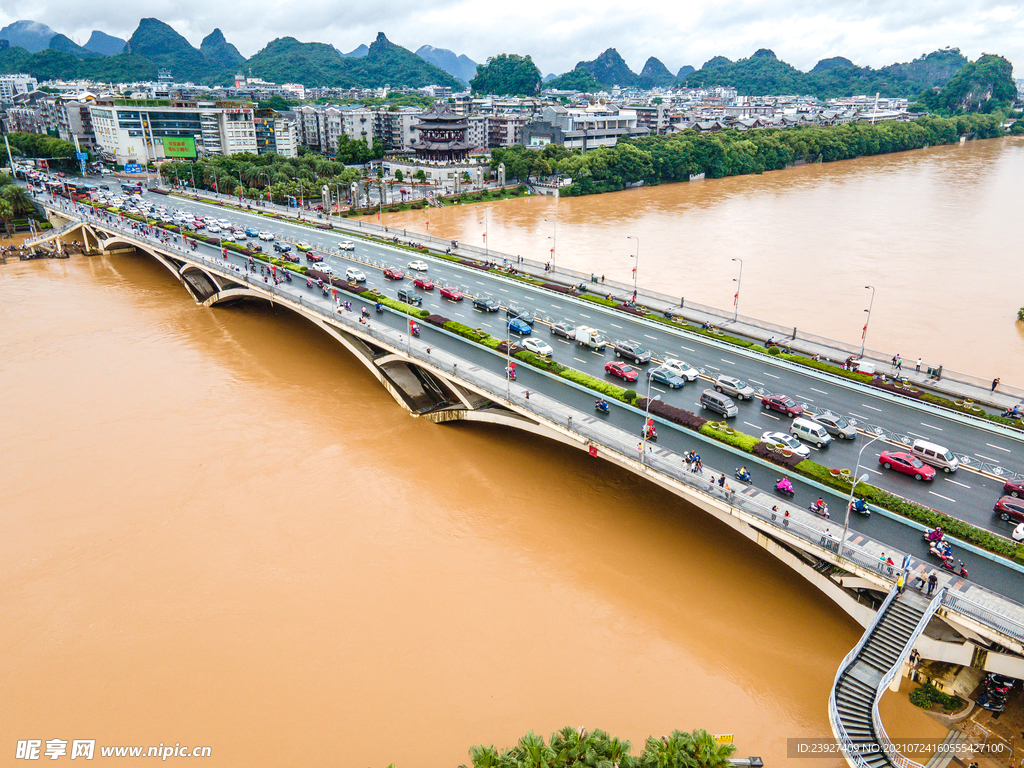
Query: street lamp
[[637, 265], [647, 416], [864, 333], [554, 241], [508, 358], [486, 222], [240, 187], [736, 298], [861, 479]]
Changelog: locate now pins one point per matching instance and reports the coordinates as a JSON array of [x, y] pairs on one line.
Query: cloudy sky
[[557, 34]]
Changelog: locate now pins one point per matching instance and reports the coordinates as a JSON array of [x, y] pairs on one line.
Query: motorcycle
[[310, 282], [999, 683], [959, 569], [822, 510], [943, 551], [649, 432], [511, 373], [602, 406], [415, 331], [785, 487], [379, 308], [1012, 413], [742, 475], [860, 506], [990, 701]]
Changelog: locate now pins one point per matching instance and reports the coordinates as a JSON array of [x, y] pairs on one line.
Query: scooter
[[602, 406], [511, 373], [649, 432], [959, 570], [379, 308], [999, 683], [742, 476], [785, 490], [941, 550], [860, 506], [991, 701], [415, 332], [822, 510], [1012, 413]]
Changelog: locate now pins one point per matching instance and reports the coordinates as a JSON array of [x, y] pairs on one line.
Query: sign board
[[723, 738], [132, 168], [82, 155], [179, 146]]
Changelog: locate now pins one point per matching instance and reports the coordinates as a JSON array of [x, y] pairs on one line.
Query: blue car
[[520, 327], [251, 232], [667, 377]]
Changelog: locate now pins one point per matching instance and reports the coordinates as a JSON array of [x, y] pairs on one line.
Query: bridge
[[438, 378]]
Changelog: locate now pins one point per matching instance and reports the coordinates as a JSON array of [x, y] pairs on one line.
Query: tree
[[399, 176], [507, 75], [18, 199], [7, 214], [420, 175]]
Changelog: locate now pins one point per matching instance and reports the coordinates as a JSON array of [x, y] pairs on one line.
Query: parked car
[[409, 297], [212, 229], [667, 376], [782, 404], [632, 350], [346, 245], [266, 236], [485, 303], [907, 464], [355, 275], [682, 369], [565, 330], [303, 246], [622, 371], [418, 266], [423, 282], [238, 235], [789, 441], [451, 293], [1010, 509], [734, 387], [393, 273], [538, 347], [315, 258], [836, 425], [280, 247], [518, 313]]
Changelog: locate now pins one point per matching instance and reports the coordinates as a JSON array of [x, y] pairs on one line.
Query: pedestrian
[[640, 448], [915, 657], [899, 364], [712, 481], [602, 278], [721, 481], [900, 584], [688, 460], [917, 367], [995, 383], [527, 394], [933, 581], [698, 467]]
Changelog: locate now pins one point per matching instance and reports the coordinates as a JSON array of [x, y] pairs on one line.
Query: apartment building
[[596, 125], [12, 85]]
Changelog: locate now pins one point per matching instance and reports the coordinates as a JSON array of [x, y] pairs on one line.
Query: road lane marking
[[755, 381], [822, 391], [773, 417], [998, 448], [865, 405], [586, 316], [869, 469], [755, 426], [687, 348], [986, 458], [931, 427], [805, 397], [503, 290], [563, 341], [769, 374], [713, 369], [954, 482], [613, 325], [576, 358], [858, 416], [651, 337], [730, 362], [933, 493], [664, 392], [916, 435]]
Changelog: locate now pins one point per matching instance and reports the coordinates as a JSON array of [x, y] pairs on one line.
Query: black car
[[632, 350], [409, 297], [517, 313], [485, 303], [281, 247]]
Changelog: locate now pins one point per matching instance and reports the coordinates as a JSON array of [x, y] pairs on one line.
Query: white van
[[810, 431], [936, 455]]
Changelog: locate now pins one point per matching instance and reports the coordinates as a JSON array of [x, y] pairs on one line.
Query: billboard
[[179, 146], [132, 168]]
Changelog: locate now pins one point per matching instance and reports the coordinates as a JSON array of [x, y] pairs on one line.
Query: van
[[936, 455], [810, 432], [719, 403]]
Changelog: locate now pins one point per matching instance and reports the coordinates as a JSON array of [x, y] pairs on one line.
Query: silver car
[[836, 425], [734, 387]]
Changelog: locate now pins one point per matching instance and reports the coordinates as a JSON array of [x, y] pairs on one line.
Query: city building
[[597, 125], [11, 85], [442, 136], [276, 133]]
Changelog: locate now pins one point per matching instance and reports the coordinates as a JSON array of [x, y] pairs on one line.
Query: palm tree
[[18, 198], [6, 213]]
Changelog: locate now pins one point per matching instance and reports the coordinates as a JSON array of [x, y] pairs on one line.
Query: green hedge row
[[739, 440], [820, 365]]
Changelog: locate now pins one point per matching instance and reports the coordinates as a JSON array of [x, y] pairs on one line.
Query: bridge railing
[[984, 614]]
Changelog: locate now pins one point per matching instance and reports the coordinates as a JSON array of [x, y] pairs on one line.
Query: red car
[[310, 256], [623, 371], [392, 273], [782, 404], [451, 292], [1013, 488], [424, 282], [907, 464], [1010, 508]]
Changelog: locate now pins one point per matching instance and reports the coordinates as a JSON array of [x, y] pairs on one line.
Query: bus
[[131, 188]]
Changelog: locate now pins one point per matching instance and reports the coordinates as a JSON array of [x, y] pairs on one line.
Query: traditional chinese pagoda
[[442, 136]]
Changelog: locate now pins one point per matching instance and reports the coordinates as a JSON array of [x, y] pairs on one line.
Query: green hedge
[[465, 331], [602, 387], [599, 300], [927, 695], [739, 440], [820, 365]]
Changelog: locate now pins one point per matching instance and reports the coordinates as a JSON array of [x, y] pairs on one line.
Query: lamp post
[[486, 223], [736, 298], [240, 187], [191, 173], [508, 358], [554, 241], [862, 478], [647, 415], [637, 265], [864, 333]]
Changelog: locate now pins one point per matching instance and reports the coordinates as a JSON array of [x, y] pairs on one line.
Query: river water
[[935, 231], [218, 530]]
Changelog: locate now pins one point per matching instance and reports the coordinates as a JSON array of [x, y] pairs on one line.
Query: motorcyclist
[[936, 535], [601, 405], [783, 484], [819, 506], [379, 307], [743, 475]]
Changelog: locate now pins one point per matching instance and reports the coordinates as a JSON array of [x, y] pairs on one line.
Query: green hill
[[610, 70], [67, 45], [159, 43], [220, 52], [578, 79], [389, 64], [655, 75], [980, 86], [507, 75], [286, 60]]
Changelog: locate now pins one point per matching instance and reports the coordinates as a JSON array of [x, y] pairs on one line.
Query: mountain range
[[462, 67]]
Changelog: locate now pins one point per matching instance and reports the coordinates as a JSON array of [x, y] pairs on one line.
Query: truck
[[590, 337]]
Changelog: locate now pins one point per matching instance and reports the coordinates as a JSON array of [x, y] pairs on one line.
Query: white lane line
[[651, 337], [755, 381], [755, 426], [578, 359], [586, 316], [613, 325], [930, 426], [858, 416], [687, 349], [916, 435], [769, 374], [998, 448], [954, 482], [986, 458], [730, 362], [479, 283], [822, 391], [871, 407], [869, 469], [933, 493], [595, 352], [664, 392], [554, 306], [773, 417], [713, 368], [805, 397], [563, 341]]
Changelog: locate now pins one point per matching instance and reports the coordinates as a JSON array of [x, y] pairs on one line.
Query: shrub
[[630, 395], [928, 694], [774, 351], [603, 387], [736, 439], [821, 365], [462, 330], [600, 300], [671, 413]]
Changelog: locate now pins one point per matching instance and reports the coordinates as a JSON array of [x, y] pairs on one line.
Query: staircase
[[867, 671]]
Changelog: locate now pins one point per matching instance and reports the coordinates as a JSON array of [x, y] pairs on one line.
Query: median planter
[[764, 451]]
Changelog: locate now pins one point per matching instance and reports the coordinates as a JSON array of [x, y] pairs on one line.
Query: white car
[[238, 234], [1018, 533], [224, 223], [266, 236], [682, 369], [346, 245], [789, 441], [419, 266], [212, 229], [537, 346], [355, 274]]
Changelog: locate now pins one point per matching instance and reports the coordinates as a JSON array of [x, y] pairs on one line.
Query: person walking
[[995, 383], [900, 583], [933, 581], [917, 368], [899, 364]]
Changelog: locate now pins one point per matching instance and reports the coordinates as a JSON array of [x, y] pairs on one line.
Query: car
[[212, 229], [1013, 488], [1010, 508], [355, 275], [409, 297], [622, 371], [255, 247], [836, 425], [907, 464], [280, 247], [316, 258], [789, 441], [303, 246], [665, 375], [632, 350], [418, 266], [565, 330], [252, 232], [266, 236], [1018, 533], [198, 224], [451, 293], [485, 304], [682, 369], [519, 326], [292, 257], [518, 313], [238, 234], [393, 273], [421, 281], [782, 404], [223, 222], [738, 388], [346, 245], [538, 347]]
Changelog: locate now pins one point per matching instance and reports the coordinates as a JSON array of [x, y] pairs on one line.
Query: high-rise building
[[11, 85]]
